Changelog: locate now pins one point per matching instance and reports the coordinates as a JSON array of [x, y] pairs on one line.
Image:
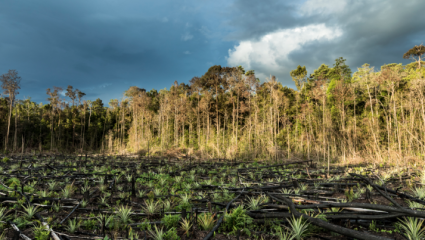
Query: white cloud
[[270, 53], [187, 36]]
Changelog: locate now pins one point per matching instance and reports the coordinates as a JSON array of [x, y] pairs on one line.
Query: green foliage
[[372, 226], [236, 220], [171, 234], [171, 220], [5, 160], [41, 232]]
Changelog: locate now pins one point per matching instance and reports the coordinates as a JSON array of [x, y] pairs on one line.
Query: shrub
[[171, 221]]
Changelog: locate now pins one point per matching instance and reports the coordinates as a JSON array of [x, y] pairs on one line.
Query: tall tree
[[55, 105], [415, 52], [11, 82], [299, 76]]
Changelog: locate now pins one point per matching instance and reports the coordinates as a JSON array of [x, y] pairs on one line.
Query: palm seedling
[[279, 179], [286, 191], [167, 205], [73, 225], [296, 191], [41, 232], [299, 228], [178, 179], [30, 211], [102, 187], [120, 188], [43, 193], [117, 178], [67, 191], [3, 213], [413, 228], [85, 188], [132, 235], [184, 200], [185, 225], [414, 205], [56, 207], [369, 187], [104, 200], [83, 203], [162, 181], [303, 187], [254, 202], [206, 221], [104, 219], [157, 191], [124, 214], [423, 178], [141, 193], [187, 186], [419, 192], [151, 207], [52, 185], [32, 184], [129, 177], [150, 184], [158, 234], [284, 235]]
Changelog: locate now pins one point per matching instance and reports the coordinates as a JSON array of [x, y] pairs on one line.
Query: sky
[[102, 47]]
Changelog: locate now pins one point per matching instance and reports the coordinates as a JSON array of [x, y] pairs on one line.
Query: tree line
[[334, 114]]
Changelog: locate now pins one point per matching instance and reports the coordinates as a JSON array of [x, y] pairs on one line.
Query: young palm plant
[[73, 225], [43, 193], [413, 228], [299, 228], [52, 185], [419, 192], [3, 213], [185, 225], [151, 207], [158, 234], [30, 211], [206, 221], [414, 205], [284, 235], [124, 214], [254, 202], [67, 191], [141, 193]]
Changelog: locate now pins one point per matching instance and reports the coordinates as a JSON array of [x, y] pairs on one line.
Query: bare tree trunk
[[8, 123]]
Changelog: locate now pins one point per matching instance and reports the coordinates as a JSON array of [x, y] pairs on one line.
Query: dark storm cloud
[[253, 19], [104, 47], [376, 32]]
